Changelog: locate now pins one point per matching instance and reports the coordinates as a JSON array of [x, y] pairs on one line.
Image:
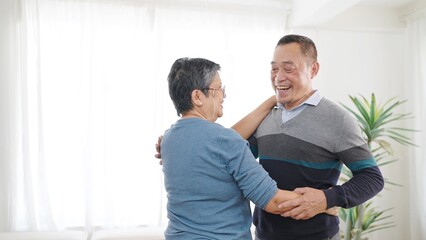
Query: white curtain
[[84, 96], [416, 84]]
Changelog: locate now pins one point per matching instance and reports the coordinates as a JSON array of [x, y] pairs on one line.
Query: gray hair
[[186, 75], [307, 46]]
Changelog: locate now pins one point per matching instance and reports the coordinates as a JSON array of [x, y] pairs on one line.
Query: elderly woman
[[210, 173]]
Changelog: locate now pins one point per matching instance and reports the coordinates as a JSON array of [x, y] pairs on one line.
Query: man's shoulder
[[331, 107], [329, 103]]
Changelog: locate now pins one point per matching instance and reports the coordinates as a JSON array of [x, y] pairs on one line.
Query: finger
[[290, 203], [297, 217], [300, 191], [159, 139], [333, 211], [293, 212], [303, 215]]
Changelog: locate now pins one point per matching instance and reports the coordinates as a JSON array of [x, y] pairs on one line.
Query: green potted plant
[[375, 120]]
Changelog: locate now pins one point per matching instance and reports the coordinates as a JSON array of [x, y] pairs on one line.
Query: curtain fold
[[7, 114], [415, 71], [25, 183], [84, 97]]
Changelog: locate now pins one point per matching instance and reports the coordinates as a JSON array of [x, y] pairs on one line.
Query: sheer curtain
[[416, 85], [84, 97]]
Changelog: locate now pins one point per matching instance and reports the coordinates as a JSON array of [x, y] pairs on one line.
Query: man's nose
[[280, 76]]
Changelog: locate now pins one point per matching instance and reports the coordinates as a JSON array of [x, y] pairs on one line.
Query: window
[[92, 99]]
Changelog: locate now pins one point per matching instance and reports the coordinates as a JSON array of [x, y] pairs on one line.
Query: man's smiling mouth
[[282, 88]]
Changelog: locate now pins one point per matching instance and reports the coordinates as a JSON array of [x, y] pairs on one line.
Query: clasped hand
[[310, 203]]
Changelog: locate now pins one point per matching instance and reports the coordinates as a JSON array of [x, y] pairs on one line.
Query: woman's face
[[214, 102]]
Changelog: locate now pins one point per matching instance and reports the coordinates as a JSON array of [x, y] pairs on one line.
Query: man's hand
[[334, 211], [311, 202], [158, 149]]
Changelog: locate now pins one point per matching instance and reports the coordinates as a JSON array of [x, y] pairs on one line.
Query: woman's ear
[[196, 98]]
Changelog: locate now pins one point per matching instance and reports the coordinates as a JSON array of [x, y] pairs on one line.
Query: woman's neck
[[193, 114]]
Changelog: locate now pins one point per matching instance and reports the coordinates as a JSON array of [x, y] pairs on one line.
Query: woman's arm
[[248, 124], [280, 196]]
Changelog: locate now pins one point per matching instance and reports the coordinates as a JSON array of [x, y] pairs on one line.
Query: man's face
[[291, 76]]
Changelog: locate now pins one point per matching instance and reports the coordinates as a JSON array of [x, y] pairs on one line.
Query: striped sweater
[[308, 151]]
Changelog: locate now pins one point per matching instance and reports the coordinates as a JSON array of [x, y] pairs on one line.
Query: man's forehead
[[284, 63]]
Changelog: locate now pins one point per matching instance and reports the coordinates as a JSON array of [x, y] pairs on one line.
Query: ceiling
[[360, 14], [375, 14], [386, 3]]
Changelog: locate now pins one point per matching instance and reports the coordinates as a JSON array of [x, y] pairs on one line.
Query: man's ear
[[314, 69], [196, 97]]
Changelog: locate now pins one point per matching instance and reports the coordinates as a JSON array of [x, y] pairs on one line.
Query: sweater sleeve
[[364, 184], [251, 178], [367, 180]]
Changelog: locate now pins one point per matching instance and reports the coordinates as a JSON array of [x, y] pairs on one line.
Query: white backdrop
[[415, 86]]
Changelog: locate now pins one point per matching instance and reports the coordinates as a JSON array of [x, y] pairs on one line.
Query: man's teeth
[[283, 88]]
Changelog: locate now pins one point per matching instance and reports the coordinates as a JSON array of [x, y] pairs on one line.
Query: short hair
[[186, 75], [307, 46]]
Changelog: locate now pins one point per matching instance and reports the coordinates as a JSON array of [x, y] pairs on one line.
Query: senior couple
[[300, 138]]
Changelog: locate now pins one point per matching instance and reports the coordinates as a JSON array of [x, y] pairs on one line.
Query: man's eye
[[274, 69], [289, 67]]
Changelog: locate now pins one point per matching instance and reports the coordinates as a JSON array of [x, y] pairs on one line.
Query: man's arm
[[364, 185], [367, 179], [366, 182], [248, 124]]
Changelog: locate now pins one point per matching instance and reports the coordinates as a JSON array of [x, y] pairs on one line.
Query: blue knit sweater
[[209, 175]]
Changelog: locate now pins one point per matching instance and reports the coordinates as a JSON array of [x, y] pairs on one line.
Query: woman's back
[[209, 173]]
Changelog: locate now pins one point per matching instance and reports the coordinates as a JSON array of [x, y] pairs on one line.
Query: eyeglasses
[[219, 88]]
